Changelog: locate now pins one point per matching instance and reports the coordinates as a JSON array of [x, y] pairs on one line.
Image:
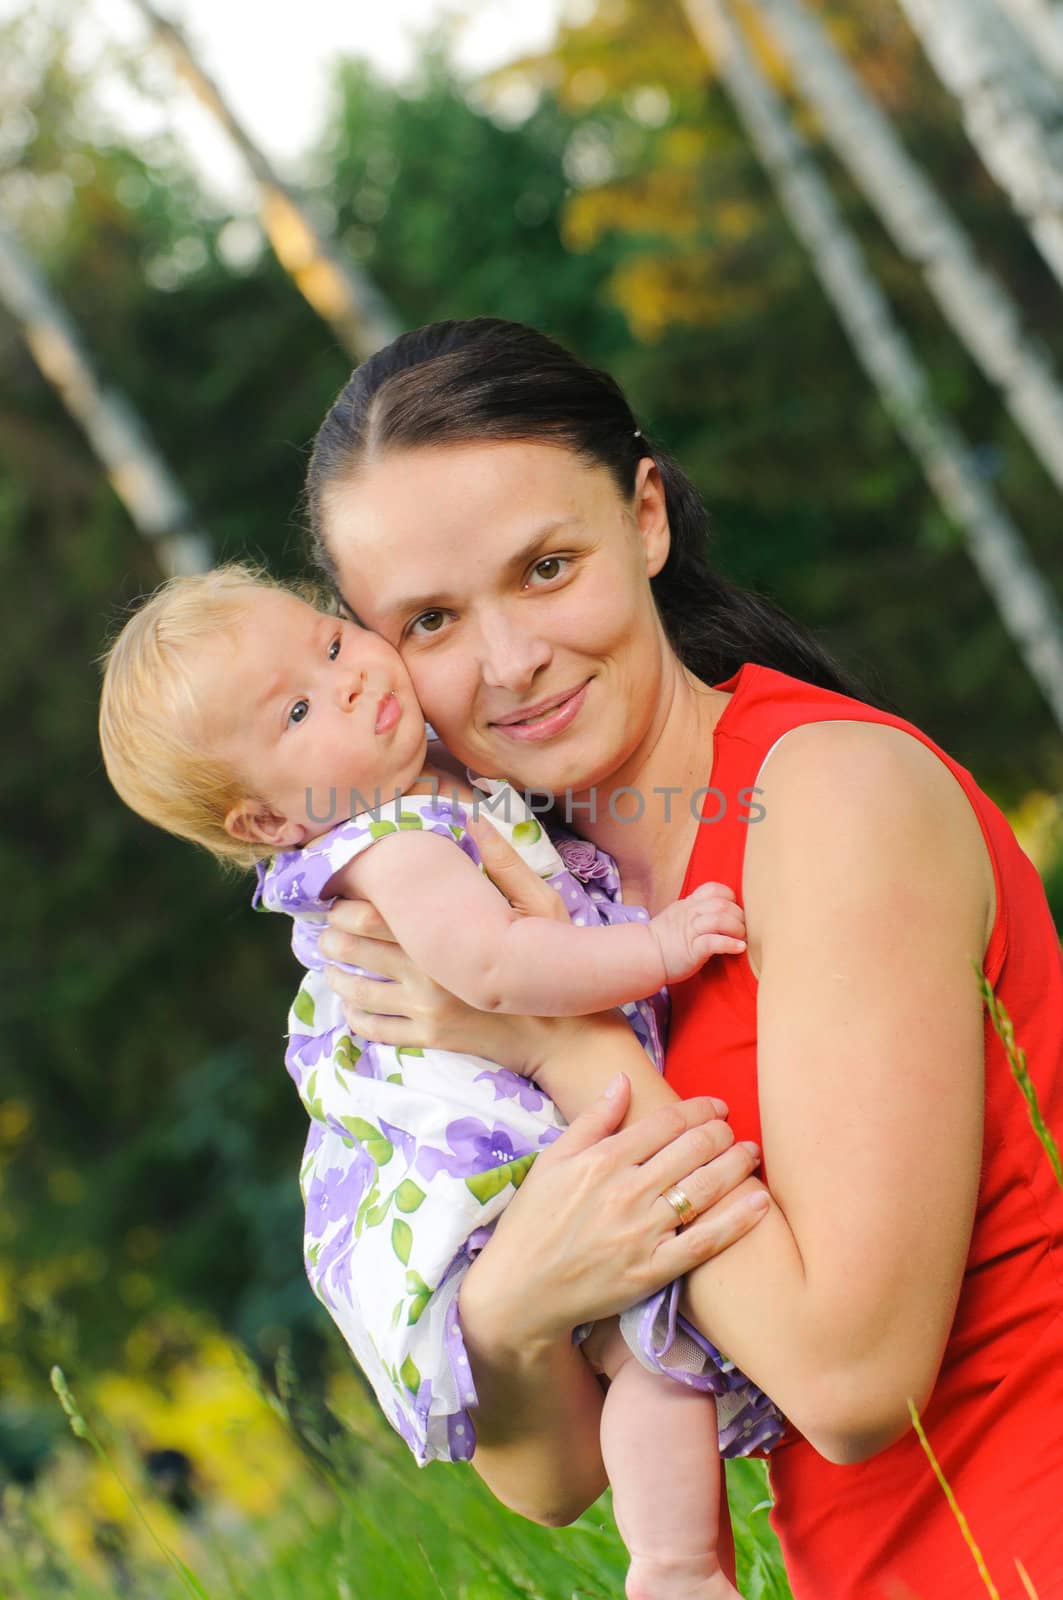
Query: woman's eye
[[556, 564], [299, 712], [430, 621], [334, 648]]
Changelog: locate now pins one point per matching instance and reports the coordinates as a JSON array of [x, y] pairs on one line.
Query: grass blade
[[1025, 1577], [968, 1537], [1017, 1061], [81, 1430]]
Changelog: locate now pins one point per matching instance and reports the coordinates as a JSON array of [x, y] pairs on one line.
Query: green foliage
[[149, 1140], [455, 216], [155, 1143], [459, 1539]]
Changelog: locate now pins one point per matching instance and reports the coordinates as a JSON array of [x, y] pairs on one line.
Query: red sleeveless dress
[[882, 1529]]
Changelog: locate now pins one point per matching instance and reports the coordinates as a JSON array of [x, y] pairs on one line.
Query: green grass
[[382, 1529]]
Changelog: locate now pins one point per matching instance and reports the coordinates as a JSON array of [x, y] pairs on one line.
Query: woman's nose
[[511, 656]]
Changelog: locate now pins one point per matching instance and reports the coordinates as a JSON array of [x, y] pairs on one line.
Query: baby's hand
[[708, 922]]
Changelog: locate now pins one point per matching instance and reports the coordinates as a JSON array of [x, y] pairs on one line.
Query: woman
[[488, 505]]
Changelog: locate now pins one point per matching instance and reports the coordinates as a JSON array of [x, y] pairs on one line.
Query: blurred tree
[[127, 455], [979, 308], [1010, 106], [338, 289], [1042, 24], [739, 366], [458, 214], [1026, 603]]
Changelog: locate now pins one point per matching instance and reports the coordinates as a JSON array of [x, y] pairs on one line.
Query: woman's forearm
[[537, 1417], [753, 1300], [577, 1074], [757, 1305], [539, 1403]]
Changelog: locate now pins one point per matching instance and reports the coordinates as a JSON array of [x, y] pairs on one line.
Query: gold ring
[[681, 1204]]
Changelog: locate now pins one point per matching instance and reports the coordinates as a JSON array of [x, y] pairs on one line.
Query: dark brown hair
[[487, 379]]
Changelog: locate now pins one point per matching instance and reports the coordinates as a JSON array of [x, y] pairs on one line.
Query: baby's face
[[308, 708]]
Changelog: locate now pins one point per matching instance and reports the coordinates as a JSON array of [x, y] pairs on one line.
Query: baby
[[235, 714]]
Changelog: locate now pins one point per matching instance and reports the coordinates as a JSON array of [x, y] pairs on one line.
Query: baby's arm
[[454, 923]]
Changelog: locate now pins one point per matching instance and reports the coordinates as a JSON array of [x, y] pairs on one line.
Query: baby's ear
[[252, 822]]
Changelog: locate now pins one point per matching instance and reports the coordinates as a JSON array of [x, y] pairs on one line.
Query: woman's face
[[514, 581]]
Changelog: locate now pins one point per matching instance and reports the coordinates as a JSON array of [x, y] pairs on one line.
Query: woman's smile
[[558, 713]]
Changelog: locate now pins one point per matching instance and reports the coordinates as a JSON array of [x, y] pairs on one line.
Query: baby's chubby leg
[[659, 1445]]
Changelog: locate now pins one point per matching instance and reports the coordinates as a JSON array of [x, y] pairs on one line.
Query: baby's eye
[[299, 712], [556, 564], [334, 647], [431, 621]]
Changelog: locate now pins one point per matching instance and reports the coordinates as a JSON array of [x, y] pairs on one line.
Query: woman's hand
[[526, 892], [413, 1010], [589, 1233]]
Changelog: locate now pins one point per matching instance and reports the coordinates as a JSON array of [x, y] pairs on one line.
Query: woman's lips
[[551, 722], [388, 713]]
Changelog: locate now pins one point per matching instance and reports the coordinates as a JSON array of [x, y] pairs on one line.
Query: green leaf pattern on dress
[[303, 1004]]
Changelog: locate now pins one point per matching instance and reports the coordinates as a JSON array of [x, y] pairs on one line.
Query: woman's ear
[[651, 514], [252, 822]]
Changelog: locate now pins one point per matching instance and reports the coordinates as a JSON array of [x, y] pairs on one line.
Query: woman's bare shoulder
[[856, 793], [803, 749]]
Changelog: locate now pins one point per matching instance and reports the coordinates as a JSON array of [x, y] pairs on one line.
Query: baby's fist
[[708, 922]]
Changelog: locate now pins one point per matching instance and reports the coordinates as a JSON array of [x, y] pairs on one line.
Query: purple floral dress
[[412, 1155]]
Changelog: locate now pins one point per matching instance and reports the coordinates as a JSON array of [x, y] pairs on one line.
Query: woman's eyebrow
[[431, 599]]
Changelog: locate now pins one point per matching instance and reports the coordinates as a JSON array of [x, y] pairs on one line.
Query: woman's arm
[[868, 895], [537, 1417], [866, 905], [586, 1234], [538, 1401]]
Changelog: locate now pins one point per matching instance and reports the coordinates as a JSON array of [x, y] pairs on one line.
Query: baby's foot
[[678, 1578]]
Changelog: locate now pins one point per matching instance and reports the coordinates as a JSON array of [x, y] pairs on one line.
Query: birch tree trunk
[[1027, 605], [1012, 109], [1042, 23], [337, 289], [979, 308], [120, 440]]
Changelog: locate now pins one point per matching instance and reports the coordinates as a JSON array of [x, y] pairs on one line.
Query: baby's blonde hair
[[153, 750]]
